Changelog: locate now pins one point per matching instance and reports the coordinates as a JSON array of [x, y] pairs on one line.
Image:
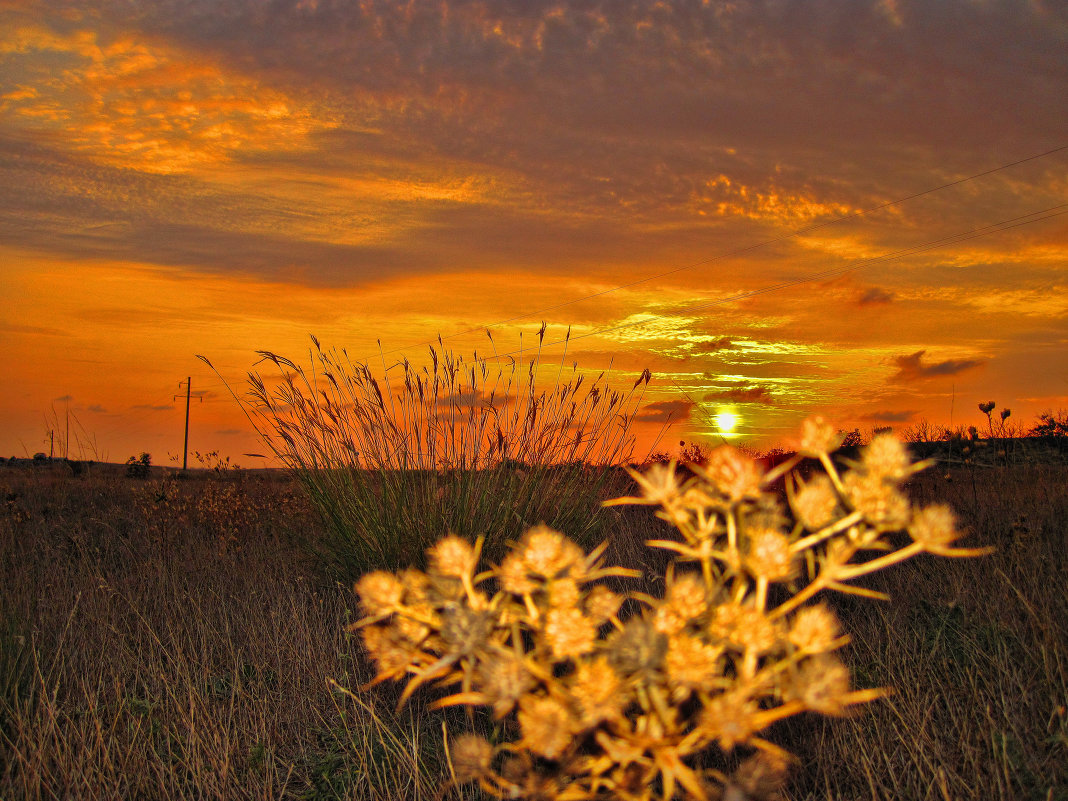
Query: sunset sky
[[710, 190]]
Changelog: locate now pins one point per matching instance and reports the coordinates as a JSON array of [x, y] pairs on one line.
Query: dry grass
[[170, 640], [165, 640], [396, 458], [977, 652]]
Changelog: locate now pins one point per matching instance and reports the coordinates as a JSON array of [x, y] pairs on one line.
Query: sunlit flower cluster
[[605, 704]]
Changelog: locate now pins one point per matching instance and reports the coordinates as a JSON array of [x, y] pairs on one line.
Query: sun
[[726, 421]]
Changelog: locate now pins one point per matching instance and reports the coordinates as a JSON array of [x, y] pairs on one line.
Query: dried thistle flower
[[732, 474], [569, 633], [934, 526], [815, 503], [548, 553], [452, 556], [818, 437], [886, 457], [546, 725], [602, 604], [769, 555], [814, 629], [380, 592], [471, 757], [621, 709]]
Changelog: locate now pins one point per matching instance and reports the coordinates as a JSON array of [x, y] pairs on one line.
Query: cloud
[[64, 399], [913, 368], [14, 328], [158, 408], [673, 411], [874, 295], [888, 416], [466, 400], [742, 394], [229, 432], [718, 344], [96, 408]]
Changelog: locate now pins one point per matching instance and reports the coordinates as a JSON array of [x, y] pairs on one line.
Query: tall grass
[[475, 447]]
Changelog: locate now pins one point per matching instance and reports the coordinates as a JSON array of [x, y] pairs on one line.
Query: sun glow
[[726, 421]]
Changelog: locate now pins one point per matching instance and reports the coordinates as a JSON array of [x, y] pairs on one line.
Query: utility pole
[[188, 394]]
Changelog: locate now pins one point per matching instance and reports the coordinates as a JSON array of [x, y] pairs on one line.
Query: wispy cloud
[[675, 411], [741, 394], [891, 416], [874, 295], [913, 367]]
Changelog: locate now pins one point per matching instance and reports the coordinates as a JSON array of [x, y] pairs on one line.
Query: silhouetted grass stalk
[[473, 447]]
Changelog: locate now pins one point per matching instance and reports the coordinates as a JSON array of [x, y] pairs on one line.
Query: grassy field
[[169, 638]]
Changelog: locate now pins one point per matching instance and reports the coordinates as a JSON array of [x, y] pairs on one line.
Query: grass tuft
[[396, 460]]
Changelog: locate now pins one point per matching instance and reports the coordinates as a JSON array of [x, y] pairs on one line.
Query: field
[[166, 638]]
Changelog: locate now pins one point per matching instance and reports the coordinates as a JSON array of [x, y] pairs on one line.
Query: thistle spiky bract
[[614, 706]]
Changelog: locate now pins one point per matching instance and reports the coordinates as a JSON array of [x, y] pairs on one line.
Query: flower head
[[769, 555], [452, 556], [546, 725], [471, 756], [814, 629], [548, 553], [934, 525], [732, 473], [818, 437], [380, 592], [569, 633], [815, 503], [886, 457]]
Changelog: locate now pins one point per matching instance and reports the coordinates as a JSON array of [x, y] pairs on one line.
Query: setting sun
[[726, 422]]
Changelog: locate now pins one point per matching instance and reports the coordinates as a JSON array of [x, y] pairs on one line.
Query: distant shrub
[[1054, 426], [139, 466]]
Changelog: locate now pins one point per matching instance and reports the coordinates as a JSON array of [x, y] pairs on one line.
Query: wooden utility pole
[[188, 393]]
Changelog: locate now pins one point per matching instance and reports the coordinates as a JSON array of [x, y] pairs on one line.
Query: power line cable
[[833, 272], [747, 249]]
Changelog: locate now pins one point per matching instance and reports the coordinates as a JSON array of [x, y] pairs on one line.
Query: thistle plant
[[660, 702]]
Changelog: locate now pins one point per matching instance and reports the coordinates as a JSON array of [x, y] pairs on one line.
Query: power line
[[747, 249], [833, 272]]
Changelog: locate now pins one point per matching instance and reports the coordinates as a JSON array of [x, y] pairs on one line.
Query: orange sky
[[224, 177]]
